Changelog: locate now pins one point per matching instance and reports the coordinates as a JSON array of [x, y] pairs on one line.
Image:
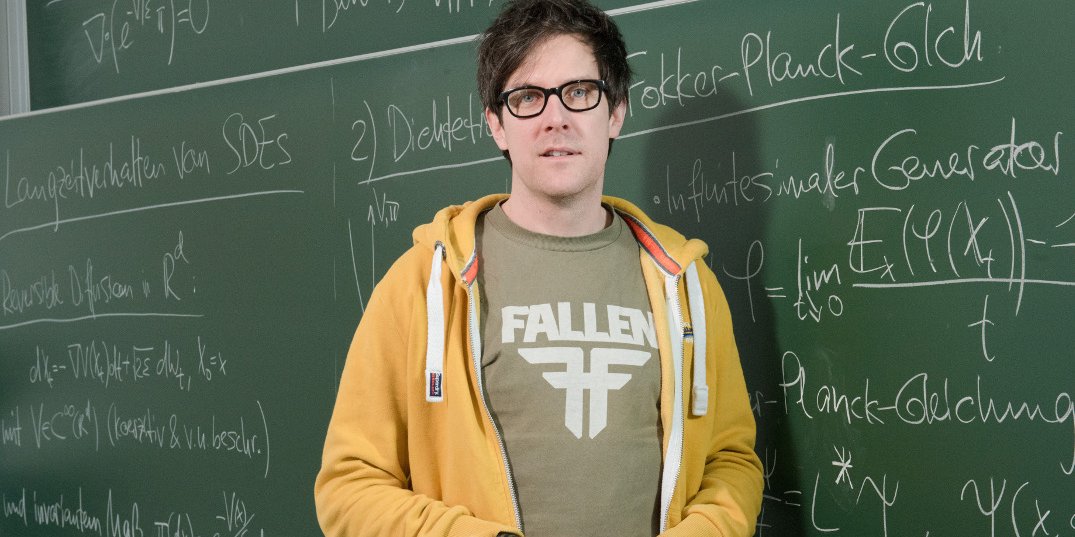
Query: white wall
[[14, 67]]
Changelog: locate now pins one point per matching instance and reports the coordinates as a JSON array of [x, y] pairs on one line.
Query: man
[[552, 362]]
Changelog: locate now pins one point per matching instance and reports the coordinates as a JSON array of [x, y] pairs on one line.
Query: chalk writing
[[911, 42], [114, 32], [754, 262], [336, 11], [843, 462], [907, 55], [236, 516], [11, 428], [113, 425], [850, 497], [366, 132], [380, 215], [88, 511], [831, 61], [443, 128], [674, 86], [882, 493], [110, 364], [263, 146], [81, 177], [745, 188], [66, 422], [921, 401], [1023, 512], [811, 300], [973, 265], [190, 159], [85, 287], [1009, 158], [382, 211]]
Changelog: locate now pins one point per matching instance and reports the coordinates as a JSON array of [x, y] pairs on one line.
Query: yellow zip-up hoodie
[[412, 449]]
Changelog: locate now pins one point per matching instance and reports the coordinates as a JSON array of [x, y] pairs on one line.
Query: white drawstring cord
[[699, 387], [435, 329]]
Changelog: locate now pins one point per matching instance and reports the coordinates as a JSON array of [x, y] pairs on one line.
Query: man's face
[[558, 156]]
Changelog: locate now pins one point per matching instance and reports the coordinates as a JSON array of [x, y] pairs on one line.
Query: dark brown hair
[[523, 25]]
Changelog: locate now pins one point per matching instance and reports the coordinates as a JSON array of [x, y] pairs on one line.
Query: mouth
[[559, 153]]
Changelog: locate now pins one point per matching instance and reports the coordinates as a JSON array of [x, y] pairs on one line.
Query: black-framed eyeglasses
[[530, 101]]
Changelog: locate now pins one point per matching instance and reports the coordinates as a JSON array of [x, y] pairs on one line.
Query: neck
[[560, 220]]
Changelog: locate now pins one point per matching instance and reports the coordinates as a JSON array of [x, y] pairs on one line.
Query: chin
[[559, 187], [564, 192]]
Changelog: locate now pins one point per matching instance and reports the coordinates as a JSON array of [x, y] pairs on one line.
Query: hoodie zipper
[[677, 405], [475, 344]]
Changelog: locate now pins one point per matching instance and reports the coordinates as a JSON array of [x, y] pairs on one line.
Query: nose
[[555, 115]]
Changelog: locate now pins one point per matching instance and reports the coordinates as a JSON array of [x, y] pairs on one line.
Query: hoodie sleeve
[[726, 499], [363, 486]]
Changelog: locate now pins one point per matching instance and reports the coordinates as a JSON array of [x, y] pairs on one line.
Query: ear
[[497, 129], [615, 119]]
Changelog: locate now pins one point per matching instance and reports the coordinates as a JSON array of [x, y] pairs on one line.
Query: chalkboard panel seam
[[253, 76]]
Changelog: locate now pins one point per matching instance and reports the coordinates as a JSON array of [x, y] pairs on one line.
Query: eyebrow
[[509, 85]]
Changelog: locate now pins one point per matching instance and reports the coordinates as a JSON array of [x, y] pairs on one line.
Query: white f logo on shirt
[[575, 380]]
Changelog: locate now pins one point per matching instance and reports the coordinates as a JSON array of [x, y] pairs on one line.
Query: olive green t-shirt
[[572, 376]]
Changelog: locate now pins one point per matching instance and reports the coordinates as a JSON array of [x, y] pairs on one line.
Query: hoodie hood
[[453, 227]]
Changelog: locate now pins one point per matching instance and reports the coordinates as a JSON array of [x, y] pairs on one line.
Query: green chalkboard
[[885, 188]]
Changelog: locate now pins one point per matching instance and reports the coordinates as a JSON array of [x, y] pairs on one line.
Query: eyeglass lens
[[577, 96]]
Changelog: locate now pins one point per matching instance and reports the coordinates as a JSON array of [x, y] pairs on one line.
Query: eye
[[525, 97], [578, 92]]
